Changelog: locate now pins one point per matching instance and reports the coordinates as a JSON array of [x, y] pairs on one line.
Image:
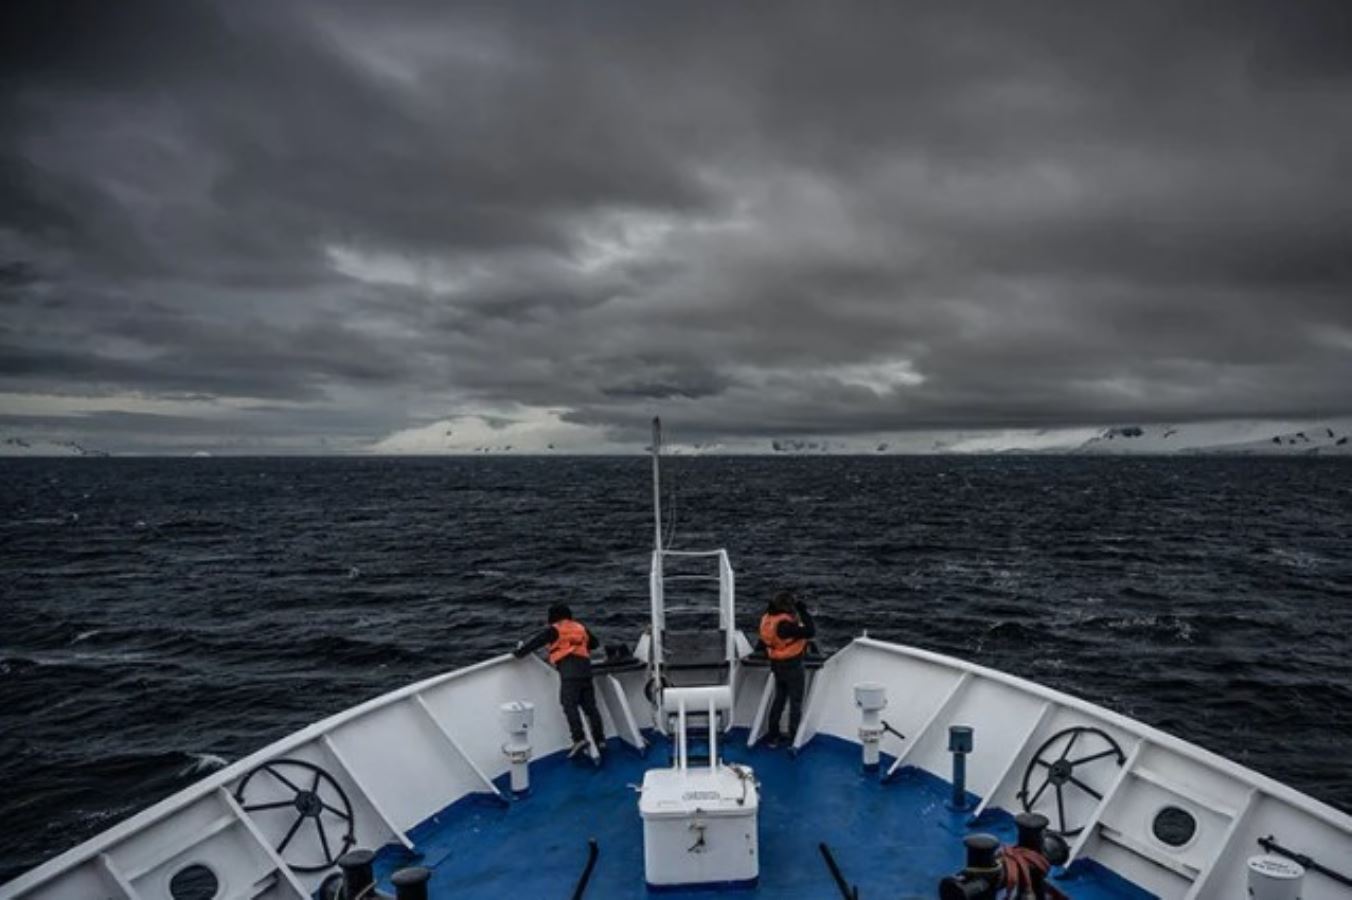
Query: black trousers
[[579, 694], [790, 685]]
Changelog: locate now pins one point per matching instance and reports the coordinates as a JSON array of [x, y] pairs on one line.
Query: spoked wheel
[[1063, 771], [313, 802]]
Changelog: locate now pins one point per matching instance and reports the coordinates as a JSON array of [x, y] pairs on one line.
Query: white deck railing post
[[727, 614], [455, 746], [351, 773], [994, 789], [762, 710], [943, 707], [283, 870], [1119, 779], [623, 716], [112, 871], [1218, 855]]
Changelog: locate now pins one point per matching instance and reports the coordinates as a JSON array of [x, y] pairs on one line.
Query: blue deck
[[891, 840]]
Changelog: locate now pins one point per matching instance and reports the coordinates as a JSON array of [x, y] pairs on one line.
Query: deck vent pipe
[[517, 718], [411, 883], [959, 744], [1275, 878], [358, 875], [871, 698]]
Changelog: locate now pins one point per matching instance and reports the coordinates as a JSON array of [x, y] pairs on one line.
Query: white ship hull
[[403, 757]]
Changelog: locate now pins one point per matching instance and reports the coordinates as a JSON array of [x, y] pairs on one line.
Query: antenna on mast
[[657, 484]]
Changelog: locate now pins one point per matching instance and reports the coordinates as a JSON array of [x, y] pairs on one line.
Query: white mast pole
[[657, 485], [655, 650]]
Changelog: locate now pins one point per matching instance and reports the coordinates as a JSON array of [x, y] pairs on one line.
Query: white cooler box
[[699, 827]]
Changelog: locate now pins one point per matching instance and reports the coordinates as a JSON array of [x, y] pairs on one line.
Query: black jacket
[[805, 629]]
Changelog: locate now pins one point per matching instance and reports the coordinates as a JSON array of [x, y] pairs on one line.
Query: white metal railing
[[727, 605], [727, 610], [682, 749]]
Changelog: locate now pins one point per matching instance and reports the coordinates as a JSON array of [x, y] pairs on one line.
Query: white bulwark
[[398, 768]]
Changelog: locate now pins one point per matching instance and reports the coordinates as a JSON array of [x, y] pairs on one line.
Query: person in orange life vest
[[570, 646], [785, 629]]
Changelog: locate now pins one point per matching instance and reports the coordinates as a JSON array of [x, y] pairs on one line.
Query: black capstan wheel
[[1064, 771], [304, 803]]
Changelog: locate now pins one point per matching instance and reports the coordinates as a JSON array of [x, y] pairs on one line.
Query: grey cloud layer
[[759, 218]]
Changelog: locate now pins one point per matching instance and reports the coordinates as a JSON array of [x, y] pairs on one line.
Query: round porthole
[[1174, 827], [194, 882]]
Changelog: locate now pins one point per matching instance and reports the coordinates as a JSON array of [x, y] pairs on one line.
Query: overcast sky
[[305, 226]]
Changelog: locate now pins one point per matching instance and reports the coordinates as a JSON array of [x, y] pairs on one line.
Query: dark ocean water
[[164, 616]]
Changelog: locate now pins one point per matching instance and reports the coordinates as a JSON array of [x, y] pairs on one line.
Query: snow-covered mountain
[[473, 435], [16, 446], [470, 435], [1322, 441], [476, 435], [1333, 438]]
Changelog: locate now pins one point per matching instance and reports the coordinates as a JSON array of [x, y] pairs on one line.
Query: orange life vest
[[572, 641], [776, 646]]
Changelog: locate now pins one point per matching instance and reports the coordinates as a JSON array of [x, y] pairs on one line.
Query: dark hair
[[782, 602], [559, 612]]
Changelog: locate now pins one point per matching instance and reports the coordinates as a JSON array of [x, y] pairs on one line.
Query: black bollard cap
[[358, 857], [981, 850], [1032, 827], [959, 739], [358, 875], [411, 883]]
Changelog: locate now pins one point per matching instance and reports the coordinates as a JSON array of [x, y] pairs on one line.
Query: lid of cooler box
[[726, 791]]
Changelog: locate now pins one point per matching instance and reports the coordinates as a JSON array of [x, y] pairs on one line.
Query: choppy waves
[[165, 617]]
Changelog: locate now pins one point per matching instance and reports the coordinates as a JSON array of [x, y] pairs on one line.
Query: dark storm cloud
[[759, 218]]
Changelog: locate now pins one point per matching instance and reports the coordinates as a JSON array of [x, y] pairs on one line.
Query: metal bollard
[[1033, 835], [980, 876], [411, 883], [959, 744], [358, 875]]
